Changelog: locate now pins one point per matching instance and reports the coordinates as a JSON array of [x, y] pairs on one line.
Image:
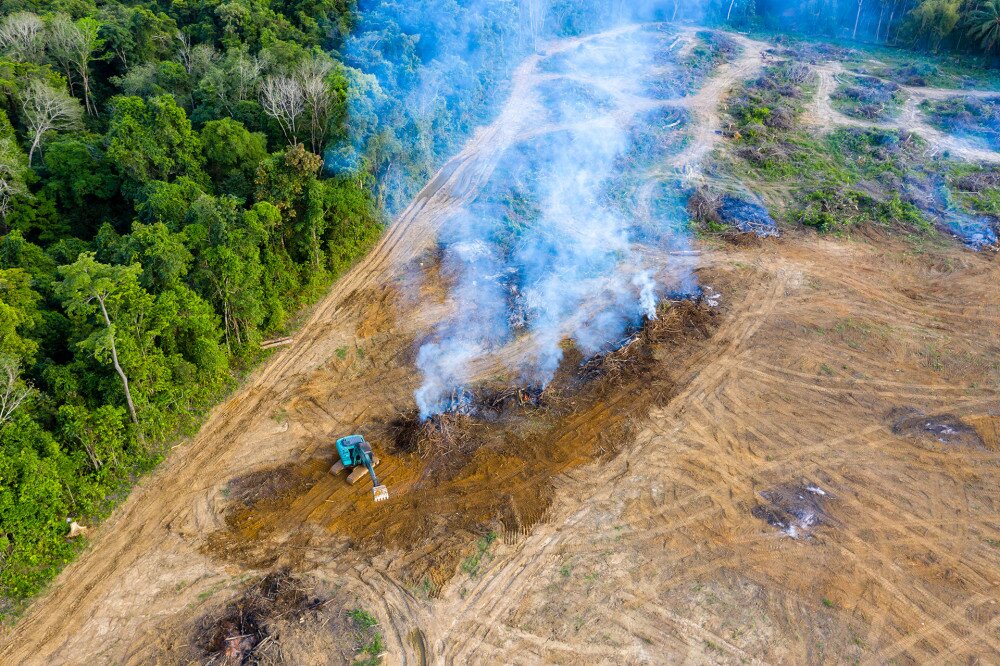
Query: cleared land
[[844, 391]]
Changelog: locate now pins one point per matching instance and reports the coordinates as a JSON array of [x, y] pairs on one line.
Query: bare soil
[[643, 506]]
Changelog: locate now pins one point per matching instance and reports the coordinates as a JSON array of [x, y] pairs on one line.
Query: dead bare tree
[[72, 45], [246, 72], [46, 109], [21, 37], [13, 392], [318, 98], [184, 50], [857, 19], [729, 13], [197, 59], [284, 100], [533, 14]]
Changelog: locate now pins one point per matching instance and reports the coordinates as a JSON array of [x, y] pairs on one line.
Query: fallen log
[[276, 342]]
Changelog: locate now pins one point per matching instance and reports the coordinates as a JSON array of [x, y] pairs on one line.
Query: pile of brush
[[245, 624], [634, 354]]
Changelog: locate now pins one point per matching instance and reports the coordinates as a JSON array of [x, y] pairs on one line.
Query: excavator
[[356, 455]]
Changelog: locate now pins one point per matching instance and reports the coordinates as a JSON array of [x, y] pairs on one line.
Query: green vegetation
[[957, 26], [845, 178], [369, 642], [159, 216], [977, 188], [471, 564], [975, 118]]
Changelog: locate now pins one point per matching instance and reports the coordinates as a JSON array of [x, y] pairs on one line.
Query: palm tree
[[984, 24]]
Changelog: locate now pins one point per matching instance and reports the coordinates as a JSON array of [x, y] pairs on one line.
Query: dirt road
[[822, 114], [856, 378]]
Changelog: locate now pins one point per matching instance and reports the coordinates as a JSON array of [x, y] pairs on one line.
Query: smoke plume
[[548, 251]]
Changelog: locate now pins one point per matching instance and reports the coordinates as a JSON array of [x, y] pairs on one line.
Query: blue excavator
[[356, 455]]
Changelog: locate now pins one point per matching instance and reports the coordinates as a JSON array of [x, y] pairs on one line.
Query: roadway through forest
[[671, 550]]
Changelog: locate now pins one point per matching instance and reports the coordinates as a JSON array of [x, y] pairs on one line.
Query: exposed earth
[[800, 469]]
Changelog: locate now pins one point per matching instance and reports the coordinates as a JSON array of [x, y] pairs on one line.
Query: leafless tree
[[857, 19], [318, 98], [47, 109], [184, 50], [11, 177], [245, 75], [21, 37], [284, 100], [533, 15], [72, 45], [196, 59], [13, 392]]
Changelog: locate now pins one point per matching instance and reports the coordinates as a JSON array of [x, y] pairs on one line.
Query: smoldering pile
[[494, 414], [547, 250]]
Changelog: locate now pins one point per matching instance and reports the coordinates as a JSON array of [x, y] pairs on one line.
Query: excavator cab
[[350, 448], [355, 454]]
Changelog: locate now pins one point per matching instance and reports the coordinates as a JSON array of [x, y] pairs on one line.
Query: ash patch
[[737, 212], [795, 509], [747, 216], [931, 195], [942, 428]]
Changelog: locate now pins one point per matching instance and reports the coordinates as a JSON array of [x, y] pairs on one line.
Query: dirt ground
[[807, 472]]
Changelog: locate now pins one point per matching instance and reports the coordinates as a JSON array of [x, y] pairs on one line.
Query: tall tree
[[153, 140], [21, 37], [13, 391], [984, 24], [11, 177], [284, 100], [72, 45], [88, 288], [47, 109], [313, 75]]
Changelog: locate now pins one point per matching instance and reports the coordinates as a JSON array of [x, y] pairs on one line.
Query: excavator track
[[357, 473]]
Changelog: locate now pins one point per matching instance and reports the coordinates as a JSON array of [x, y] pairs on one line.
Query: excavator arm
[[379, 492]]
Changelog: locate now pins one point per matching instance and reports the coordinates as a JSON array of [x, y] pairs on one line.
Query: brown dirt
[[642, 547]]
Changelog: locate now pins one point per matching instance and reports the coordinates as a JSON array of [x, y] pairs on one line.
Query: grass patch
[[472, 563], [369, 642]]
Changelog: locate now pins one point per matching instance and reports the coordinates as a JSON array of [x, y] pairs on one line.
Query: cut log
[[276, 342]]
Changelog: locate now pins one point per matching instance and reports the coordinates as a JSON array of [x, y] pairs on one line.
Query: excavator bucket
[[380, 493]]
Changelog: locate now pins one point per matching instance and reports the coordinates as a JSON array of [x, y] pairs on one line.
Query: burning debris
[[942, 428], [492, 416], [795, 509], [547, 238]]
